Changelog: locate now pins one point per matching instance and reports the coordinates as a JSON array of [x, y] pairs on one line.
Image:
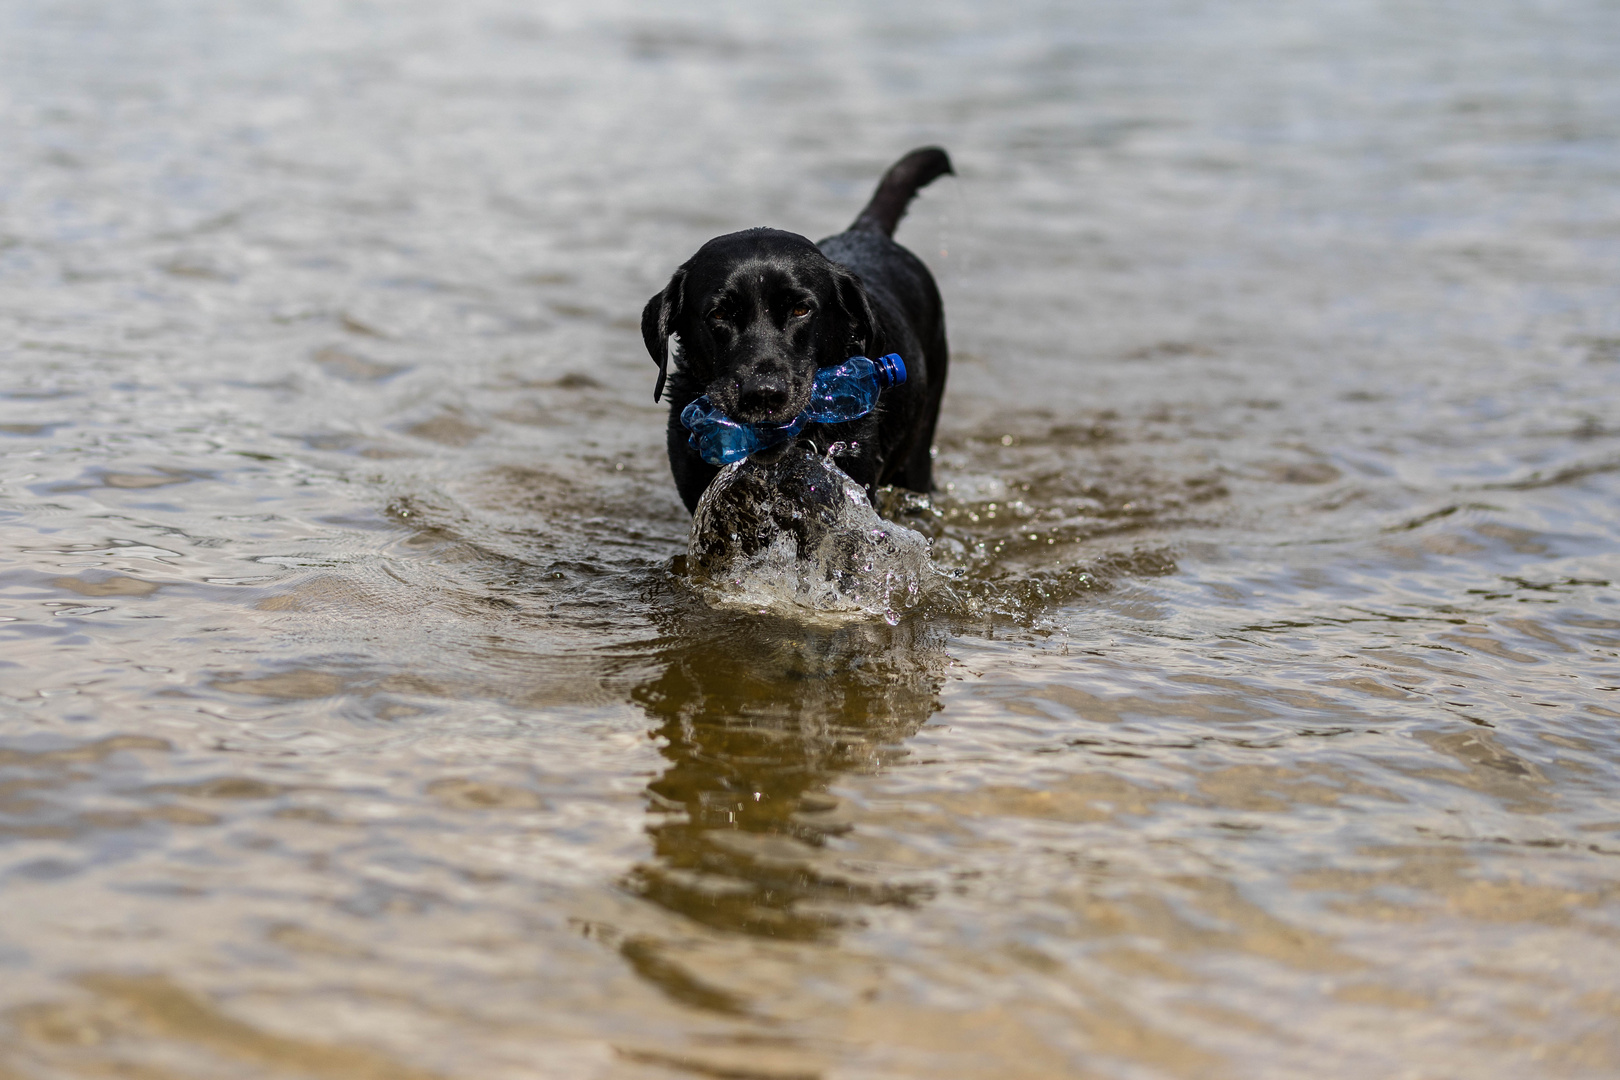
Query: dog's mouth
[[773, 418], [764, 410]]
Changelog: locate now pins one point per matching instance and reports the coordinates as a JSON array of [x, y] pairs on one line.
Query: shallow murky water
[[355, 723]]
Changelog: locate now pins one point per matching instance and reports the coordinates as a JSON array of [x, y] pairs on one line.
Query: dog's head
[[756, 313]]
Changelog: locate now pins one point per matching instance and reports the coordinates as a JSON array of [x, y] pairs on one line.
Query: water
[[356, 723]]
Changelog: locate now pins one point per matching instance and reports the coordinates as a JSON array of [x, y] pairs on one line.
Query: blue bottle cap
[[891, 370]]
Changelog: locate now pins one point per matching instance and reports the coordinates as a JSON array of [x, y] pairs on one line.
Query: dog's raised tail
[[899, 186]]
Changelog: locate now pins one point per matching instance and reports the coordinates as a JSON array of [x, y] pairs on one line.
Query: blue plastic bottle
[[849, 390], [720, 440], [846, 391]]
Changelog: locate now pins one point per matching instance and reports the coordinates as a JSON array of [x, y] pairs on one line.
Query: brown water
[[355, 723]]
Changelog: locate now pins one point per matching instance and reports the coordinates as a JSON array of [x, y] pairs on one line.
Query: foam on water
[[798, 537]]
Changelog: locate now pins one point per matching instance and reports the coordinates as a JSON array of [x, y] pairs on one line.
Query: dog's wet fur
[[756, 312]]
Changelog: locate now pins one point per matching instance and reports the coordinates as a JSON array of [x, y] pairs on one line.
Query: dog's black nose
[[763, 399]]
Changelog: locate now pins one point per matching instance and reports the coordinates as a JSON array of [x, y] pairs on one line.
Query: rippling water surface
[[356, 723]]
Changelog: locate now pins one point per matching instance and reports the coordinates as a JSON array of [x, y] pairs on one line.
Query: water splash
[[798, 537]]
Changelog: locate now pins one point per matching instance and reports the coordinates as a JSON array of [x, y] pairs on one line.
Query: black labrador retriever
[[755, 313]]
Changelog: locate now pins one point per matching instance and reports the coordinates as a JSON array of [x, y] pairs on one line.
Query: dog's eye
[[717, 315], [801, 310]]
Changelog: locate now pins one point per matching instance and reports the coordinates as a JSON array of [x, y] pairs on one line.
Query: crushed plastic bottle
[[846, 391], [850, 390], [720, 440]]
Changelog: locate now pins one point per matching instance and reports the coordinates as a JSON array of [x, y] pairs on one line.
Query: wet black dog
[[755, 313]]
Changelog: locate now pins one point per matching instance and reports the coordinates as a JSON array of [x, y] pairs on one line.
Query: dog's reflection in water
[[758, 719]]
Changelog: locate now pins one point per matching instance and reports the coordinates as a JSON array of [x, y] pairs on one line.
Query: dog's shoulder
[[887, 269]]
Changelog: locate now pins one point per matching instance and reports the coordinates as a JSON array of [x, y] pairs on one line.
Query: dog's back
[[904, 295]]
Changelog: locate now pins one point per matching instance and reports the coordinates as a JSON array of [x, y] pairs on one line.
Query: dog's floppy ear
[[857, 308], [658, 322]]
